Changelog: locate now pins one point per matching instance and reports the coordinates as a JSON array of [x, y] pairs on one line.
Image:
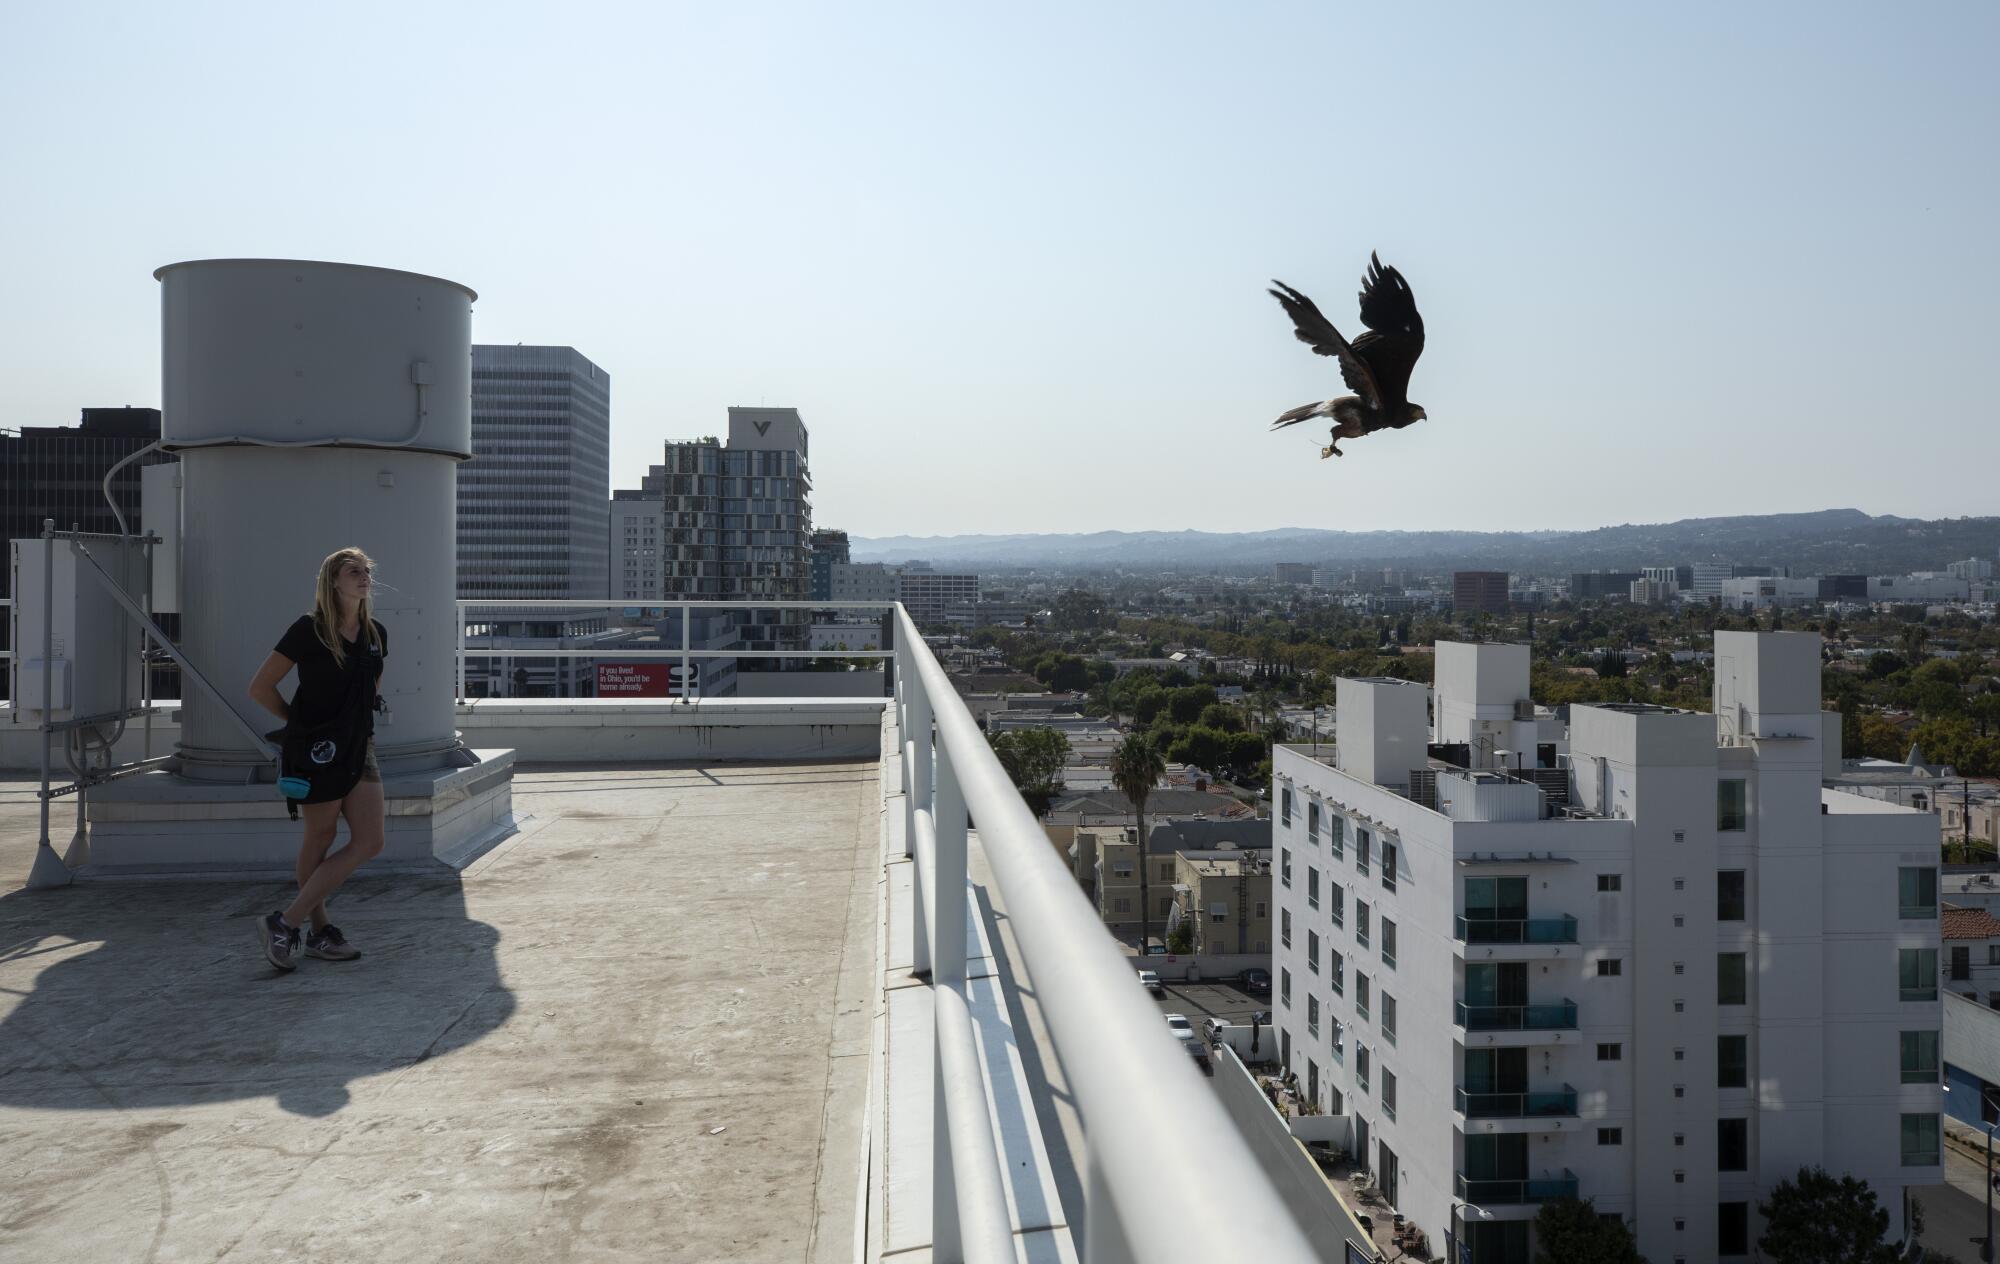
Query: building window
[[1916, 892], [1732, 1145], [1729, 895], [1361, 851], [1732, 1228], [1388, 866], [1361, 1070], [1388, 1018], [1312, 887], [1733, 979], [1993, 954], [1121, 869], [1218, 912], [1608, 966], [1732, 800], [1361, 922], [1285, 927], [1336, 835], [1388, 1092], [1285, 865], [1961, 963], [1312, 821], [1285, 806], [1388, 943], [1262, 911], [1336, 899], [1610, 1136], [1610, 882], [1121, 904], [1920, 1057], [1284, 986], [1920, 1141], [1312, 1014], [1610, 1053], [1312, 951], [1917, 973], [1360, 994], [1336, 969], [1732, 1062]]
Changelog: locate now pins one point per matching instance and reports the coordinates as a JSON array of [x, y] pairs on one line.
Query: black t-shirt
[[327, 691]]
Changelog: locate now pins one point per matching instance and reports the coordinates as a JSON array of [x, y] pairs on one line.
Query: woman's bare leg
[[322, 827], [363, 809]]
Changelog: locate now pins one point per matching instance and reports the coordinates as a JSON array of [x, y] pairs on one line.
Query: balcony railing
[[1527, 1190], [1522, 930], [1148, 1195], [1559, 1104], [1560, 1017], [686, 685]]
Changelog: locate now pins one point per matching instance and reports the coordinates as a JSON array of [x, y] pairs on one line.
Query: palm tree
[[1135, 766]]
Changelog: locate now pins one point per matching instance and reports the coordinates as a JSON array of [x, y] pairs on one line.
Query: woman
[[338, 650]]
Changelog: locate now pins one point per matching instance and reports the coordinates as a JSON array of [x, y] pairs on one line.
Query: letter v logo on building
[[763, 427]]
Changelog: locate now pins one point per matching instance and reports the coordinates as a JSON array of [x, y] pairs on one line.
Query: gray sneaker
[[330, 945], [279, 941]]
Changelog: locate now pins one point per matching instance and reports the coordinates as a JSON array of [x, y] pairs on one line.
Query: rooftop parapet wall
[[1384, 728], [1641, 736], [1767, 684]]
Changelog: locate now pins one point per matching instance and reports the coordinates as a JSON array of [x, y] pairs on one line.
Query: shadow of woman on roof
[[144, 995]]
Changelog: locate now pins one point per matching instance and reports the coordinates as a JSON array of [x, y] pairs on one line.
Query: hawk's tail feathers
[[1302, 413]]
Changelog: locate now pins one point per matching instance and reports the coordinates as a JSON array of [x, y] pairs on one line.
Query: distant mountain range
[[1831, 541]]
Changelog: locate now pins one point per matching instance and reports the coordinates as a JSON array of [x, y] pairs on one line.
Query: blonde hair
[[326, 603]]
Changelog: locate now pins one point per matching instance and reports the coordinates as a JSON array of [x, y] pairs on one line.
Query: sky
[[1009, 261]]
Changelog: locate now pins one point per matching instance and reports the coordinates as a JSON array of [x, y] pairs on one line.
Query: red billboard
[[638, 680]]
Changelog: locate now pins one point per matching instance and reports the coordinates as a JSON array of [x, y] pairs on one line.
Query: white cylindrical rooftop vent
[[283, 351], [315, 406]]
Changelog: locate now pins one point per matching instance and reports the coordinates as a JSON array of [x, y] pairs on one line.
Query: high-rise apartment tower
[[1650, 962], [738, 522]]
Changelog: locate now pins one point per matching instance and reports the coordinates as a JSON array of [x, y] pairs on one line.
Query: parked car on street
[[1184, 1032], [1151, 978], [1257, 981]]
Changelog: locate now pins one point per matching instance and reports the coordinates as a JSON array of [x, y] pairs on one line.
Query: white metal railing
[[1169, 1176], [685, 654]]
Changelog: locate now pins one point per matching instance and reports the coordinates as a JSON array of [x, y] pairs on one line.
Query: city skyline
[[1658, 247]]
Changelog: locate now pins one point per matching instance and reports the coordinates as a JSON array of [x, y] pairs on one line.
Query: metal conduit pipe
[[983, 1232], [1139, 1095]]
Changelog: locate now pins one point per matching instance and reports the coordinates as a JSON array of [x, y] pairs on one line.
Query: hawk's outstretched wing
[[1317, 332], [1396, 332]]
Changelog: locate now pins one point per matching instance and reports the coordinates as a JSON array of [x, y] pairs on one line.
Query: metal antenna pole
[[48, 870]]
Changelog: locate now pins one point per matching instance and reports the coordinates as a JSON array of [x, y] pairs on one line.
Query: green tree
[[1135, 768], [1850, 726], [1570, 1231], [1222, 717], [1881, 739], [1203, 747], [1821, 1219], [1034, 760], [1185, 705]]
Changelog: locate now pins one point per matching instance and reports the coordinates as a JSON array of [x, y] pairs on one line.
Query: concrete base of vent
[[617, 730], [156, 824]]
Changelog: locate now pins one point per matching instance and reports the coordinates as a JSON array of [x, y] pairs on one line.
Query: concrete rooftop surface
[[637, 1030]]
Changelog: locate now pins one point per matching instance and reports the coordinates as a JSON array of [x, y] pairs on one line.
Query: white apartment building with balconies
[[1663, 975]]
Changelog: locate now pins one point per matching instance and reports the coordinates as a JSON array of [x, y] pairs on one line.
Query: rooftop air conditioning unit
[[1524, 708]]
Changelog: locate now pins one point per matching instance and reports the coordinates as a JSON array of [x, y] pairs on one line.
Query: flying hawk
[[1376, 365]]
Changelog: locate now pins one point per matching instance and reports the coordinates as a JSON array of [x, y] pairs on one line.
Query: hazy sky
[[1009, 259]]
